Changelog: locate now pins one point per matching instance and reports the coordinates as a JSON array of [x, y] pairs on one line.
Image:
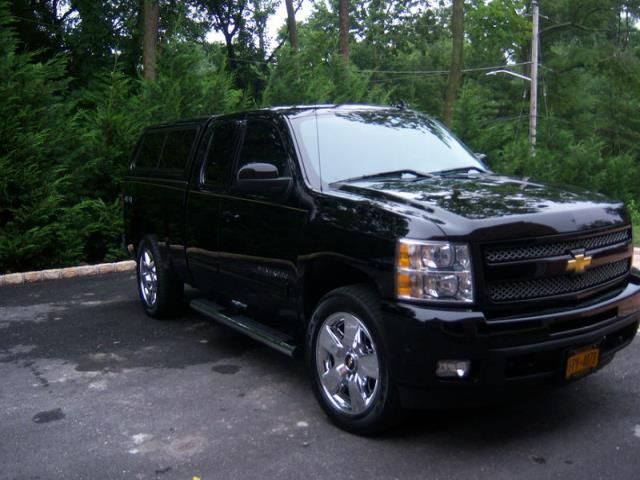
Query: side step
[[262, 333]]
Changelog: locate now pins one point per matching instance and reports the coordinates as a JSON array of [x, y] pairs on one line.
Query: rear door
[[210, 178], [173, 168], [260, 232], [156, 188]]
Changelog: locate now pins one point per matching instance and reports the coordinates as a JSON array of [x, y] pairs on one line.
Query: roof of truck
[[284, 110]]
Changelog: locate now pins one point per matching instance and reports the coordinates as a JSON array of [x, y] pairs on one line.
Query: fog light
[[453, 368]]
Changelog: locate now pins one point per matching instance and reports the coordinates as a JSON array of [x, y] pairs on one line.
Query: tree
[[73, 105], [291, 25], [344, 29], [227, 17], [255, 26], [386, 27], [151, 19], [38, 28], [455, 72]]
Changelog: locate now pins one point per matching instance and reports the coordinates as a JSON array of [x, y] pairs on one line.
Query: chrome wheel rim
[[347, 363], [148, 278]]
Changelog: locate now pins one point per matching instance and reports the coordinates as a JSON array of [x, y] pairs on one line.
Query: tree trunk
[[231, 53], [344, 29], [455, 73], [291, 24], [150, 42]]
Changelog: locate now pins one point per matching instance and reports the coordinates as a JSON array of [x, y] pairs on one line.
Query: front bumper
[[507, 353]]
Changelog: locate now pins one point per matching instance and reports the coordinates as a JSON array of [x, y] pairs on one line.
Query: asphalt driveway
[[91, 388]]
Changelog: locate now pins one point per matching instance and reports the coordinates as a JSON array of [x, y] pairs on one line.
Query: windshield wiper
[[391, 173], [459, 170]]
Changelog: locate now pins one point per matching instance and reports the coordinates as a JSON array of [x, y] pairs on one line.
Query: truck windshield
[[340, 146]]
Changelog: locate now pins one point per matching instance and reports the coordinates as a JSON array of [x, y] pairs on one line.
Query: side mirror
[[261, 178], [258, 171], [483, 159]]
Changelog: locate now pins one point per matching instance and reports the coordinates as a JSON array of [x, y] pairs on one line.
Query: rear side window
[[152, 144], [220, 154], [177, 148], [166, 150]]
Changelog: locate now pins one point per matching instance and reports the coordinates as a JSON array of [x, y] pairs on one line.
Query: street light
[[533, 111], [509, 72]]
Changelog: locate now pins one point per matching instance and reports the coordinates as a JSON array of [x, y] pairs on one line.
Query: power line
[[441, 72], [405, 73], [400, 73]]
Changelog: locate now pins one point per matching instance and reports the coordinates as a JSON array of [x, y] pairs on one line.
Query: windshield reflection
[[341, 145]]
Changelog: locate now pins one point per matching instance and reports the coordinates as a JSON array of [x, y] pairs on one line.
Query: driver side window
[[263, 144], [220, 154]]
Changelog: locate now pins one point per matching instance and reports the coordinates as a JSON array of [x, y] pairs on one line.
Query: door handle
[[229, 216]]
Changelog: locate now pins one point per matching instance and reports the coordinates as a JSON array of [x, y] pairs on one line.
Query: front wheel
[[348, 361]]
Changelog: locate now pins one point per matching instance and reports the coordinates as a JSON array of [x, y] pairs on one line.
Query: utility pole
[[533, 107], [457, 51]]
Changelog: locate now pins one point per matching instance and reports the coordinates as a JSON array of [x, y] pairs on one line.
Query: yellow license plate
[[582, 362]]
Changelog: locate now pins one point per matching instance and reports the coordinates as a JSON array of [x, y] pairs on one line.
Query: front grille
[[558, 285], [554, 249]]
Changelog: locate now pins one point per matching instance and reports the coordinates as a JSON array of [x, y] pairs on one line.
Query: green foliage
[[589, 130], [477, 119], [32, 109], [317, 73], [190, 84], [296, 80], [574, 163], [106, 123], [64, 150], [73, 104], [97, 227], [497, 30]]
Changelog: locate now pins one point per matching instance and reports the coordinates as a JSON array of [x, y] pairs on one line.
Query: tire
[[160, 289], [352, 380]]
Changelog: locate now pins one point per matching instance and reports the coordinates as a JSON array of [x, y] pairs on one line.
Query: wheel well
[[140, 233], [139, 230], [322, 276]]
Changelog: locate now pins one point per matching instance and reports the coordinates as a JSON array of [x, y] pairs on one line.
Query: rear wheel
[[348, 361], [160, 289]]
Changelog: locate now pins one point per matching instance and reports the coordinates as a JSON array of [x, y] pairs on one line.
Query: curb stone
[[69, 272], [126, 266]]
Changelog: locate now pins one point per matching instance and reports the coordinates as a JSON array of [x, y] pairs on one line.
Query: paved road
[[93, 389]]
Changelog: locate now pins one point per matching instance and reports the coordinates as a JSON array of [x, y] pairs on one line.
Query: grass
[[636, 234]]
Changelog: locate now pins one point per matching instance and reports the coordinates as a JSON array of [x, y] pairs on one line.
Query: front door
[[210, 179], [260, 232]]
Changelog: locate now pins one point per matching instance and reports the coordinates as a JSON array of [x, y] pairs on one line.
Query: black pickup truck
[[372, 242]]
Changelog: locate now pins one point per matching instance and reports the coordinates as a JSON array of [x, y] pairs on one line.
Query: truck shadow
[[111, 333], [574, 410], [495, 422]]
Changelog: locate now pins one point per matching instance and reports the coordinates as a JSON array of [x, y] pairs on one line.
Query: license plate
[[582, 361]]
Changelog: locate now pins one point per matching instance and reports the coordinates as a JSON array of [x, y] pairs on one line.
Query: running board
[[259, 332]]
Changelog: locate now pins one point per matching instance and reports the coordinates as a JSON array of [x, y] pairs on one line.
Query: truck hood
[[490, 207]]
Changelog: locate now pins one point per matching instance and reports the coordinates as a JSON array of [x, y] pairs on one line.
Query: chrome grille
[[545, 287], [553, 249]]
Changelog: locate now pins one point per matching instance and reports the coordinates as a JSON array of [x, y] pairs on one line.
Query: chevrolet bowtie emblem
[[578, 263]]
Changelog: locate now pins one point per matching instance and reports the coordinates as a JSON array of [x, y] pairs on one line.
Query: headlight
[[435, 271]]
